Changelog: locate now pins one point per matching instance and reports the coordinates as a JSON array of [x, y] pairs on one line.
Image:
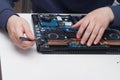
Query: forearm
[[5, 12]]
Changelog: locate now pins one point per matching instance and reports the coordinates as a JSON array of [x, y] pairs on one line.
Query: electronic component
[[55, 34]]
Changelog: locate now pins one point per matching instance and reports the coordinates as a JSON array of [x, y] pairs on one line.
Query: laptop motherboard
[[54, 34]]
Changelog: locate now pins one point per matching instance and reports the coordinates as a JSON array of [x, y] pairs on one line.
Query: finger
[[19, 32], [13, 38], [24, 47], [99, 36], [17, 42], [23, 44], [28, 31], [87, 32], [82, 28], [27, 44], [77, 24], [93, 35]]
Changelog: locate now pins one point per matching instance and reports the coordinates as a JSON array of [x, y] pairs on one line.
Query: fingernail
[[88, 44], [82, 42], [95, 42]]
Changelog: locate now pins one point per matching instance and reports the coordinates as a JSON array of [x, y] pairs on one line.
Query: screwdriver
[[27, 39]]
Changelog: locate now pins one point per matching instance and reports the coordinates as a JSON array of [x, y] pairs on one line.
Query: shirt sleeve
[[5, 12], [116, 12], [118, 1]]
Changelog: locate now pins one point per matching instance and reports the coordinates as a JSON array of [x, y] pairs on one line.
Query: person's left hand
[[93, 25]]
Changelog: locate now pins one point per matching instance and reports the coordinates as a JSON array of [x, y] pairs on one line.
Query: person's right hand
[[18, 27]]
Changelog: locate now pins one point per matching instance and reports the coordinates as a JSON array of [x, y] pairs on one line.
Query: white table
[[31, 65]]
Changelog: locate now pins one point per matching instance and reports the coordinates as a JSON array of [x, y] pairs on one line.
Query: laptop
[[54, 34]]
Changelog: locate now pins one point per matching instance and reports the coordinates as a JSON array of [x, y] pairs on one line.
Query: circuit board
[[55, 35]]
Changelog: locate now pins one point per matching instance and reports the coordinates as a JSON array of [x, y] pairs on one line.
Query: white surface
[[30, 65]]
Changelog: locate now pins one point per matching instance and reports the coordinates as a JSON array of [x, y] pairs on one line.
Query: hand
[[17, 27], [93, 25]]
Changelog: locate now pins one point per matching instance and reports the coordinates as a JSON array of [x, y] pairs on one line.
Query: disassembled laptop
[[55, 35]]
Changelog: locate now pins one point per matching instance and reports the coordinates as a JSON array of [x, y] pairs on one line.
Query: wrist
[[110, 14]]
